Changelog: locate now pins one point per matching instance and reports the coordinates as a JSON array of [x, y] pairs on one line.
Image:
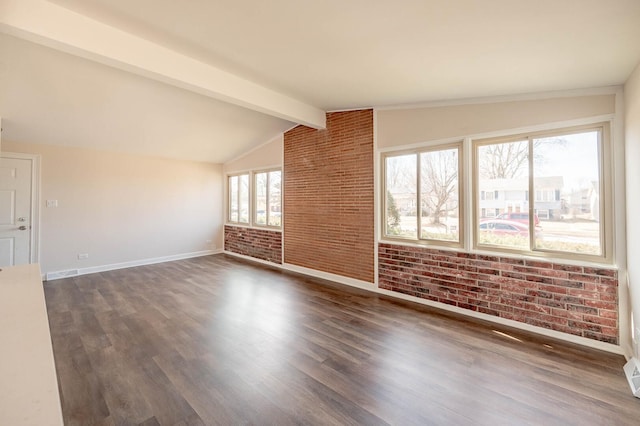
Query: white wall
[[267, 155], [632, 154], [122, 207], [396, 127]]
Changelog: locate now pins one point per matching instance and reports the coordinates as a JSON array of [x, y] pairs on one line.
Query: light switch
[[52, 203]]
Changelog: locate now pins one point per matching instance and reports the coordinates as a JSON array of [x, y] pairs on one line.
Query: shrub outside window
[[422, 195]]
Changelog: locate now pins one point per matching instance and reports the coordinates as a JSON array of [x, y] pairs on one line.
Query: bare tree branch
[[439, 176]]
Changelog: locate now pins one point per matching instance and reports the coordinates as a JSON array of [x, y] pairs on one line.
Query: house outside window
[[547, 186], [546, 193]]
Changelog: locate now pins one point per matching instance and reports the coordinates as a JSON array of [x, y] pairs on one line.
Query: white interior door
[[15, 211]]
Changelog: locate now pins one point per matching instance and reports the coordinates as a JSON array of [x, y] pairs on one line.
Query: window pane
[[275, 198], [261, 198], [233, 198], [439, 195], [401, 196], [243, 199], [567, 187], [503, 183]]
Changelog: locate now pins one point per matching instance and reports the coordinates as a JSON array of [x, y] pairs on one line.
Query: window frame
[[605, 176], [230, 204], [459, 145], [252, 210]]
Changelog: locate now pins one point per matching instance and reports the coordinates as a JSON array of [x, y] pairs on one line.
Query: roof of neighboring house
[[522, 184]]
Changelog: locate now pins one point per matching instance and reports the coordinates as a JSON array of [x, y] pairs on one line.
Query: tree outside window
[[422, 195], [549, 184], [268, 198], [239, 198], [534, 193]]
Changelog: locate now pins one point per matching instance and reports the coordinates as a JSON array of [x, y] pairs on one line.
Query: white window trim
[[613, 242], [606, 188], [228, 199], [254, 210], [457, 144], [252, 202]]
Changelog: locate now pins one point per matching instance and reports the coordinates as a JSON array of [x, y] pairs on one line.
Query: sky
[[576, 159]]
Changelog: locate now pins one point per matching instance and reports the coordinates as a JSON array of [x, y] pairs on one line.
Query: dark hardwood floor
[[217, 340]]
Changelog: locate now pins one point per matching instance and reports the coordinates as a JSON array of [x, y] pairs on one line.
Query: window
[[489, 213], [239, 198], [264, 209], [502, 165], [268, 198], [562, 170], [488, 195], [543, 214], [422, 194], [546, 193]]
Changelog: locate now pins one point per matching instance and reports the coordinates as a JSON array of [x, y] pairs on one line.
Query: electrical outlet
[[82, 256]]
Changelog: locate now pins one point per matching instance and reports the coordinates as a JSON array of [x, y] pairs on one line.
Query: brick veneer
[[259, 243], [578, 300], [328, 196]]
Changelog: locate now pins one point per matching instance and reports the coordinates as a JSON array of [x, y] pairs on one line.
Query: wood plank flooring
[[219, 341]]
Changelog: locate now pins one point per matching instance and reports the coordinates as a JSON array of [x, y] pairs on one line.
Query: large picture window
[[545, 193], [548, 192], [422, 195]]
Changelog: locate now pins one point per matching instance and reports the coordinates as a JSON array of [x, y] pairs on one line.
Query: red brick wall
[[571, 299], [259, 243], [328, 196]]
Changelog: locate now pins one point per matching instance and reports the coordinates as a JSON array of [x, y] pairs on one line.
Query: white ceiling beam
[[48, 24]]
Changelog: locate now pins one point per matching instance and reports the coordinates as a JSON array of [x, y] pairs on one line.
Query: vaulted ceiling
[[208, 80]]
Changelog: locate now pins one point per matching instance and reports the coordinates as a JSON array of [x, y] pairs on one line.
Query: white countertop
[[28, 382]]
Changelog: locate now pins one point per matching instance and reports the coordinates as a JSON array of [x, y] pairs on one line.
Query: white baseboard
[[57, 275], [253, 259], [50, 276], [331, 277], [308, 271], [583, 341], [594, 344]]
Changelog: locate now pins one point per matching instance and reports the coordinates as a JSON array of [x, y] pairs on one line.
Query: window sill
[[543, 257], [247, 226]]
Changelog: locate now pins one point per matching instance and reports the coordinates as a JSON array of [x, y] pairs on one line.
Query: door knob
[[22, 228]]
